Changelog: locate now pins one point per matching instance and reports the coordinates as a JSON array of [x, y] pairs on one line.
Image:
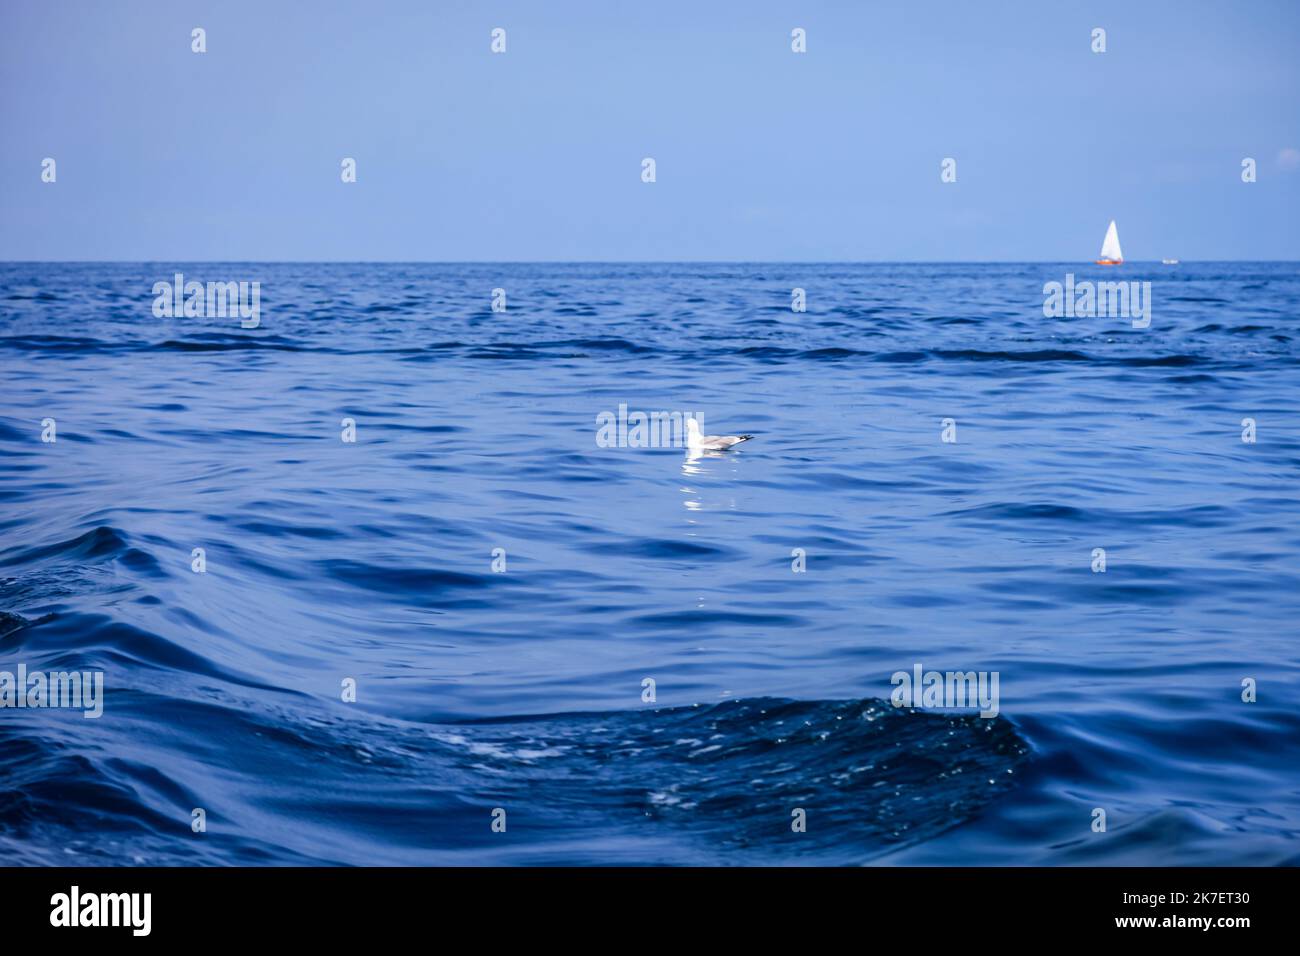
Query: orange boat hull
[[1110, 262]]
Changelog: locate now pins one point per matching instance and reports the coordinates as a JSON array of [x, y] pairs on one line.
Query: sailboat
[[1110, 251]]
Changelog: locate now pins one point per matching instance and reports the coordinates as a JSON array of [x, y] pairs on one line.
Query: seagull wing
[[719, 442]]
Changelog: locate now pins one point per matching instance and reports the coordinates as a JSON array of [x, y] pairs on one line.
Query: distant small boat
[[1110, 251], [1169, 262]]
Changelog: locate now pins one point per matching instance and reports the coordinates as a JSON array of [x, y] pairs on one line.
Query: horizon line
[[538, 262]]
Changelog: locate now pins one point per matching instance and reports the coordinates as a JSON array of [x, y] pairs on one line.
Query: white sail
[[1110, 245]]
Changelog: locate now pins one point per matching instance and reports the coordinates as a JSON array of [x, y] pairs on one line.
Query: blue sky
[[535, 154]]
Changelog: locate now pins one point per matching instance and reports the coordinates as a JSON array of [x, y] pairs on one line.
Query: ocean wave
[[713, 783]]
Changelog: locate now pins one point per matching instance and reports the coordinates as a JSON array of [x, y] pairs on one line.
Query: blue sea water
[[522, 690]]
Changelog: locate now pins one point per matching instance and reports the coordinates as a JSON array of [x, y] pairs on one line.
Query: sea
[[366, 584]]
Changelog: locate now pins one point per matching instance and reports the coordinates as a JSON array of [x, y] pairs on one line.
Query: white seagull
[[697, 442]]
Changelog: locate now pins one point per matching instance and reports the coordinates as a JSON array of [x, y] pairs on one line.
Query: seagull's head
[[692, 428]]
